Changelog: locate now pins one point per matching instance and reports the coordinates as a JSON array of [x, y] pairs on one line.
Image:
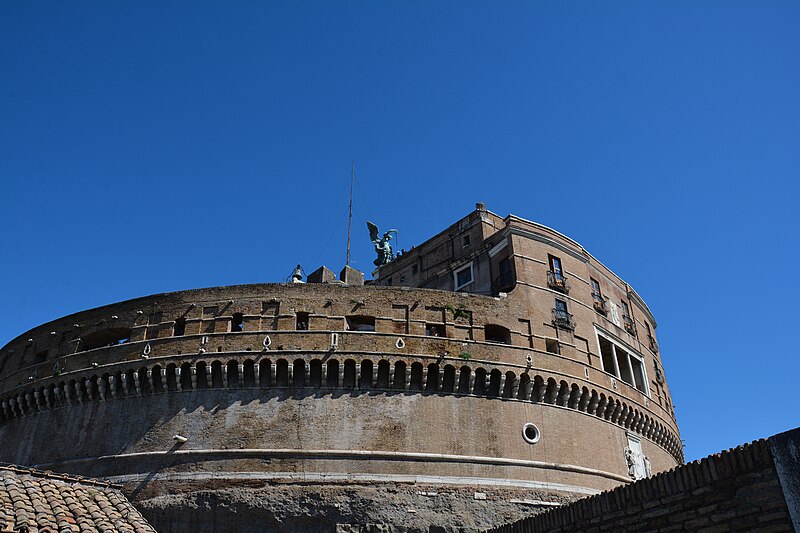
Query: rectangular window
[[434, 330], [597, 296], [463, 276], [622, 363], [561, 316], [237, 322], [505, 281], [625, 310], [552, 346], [465, 240], [555, 266], [414, 270]]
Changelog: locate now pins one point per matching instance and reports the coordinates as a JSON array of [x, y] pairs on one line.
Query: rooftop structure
[[31, 500]]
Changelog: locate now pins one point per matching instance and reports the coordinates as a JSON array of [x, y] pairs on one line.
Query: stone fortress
[[496, 370]]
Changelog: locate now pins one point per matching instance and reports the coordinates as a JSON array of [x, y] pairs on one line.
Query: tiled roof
[[33, 501]]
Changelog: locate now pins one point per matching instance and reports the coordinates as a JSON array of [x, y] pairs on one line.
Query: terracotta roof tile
[[47, 502]]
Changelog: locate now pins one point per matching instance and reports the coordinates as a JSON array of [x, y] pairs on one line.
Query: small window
[[596, 294], [625, 310], [495, 333], [106, 337], [465, 241], [414, 270], [179, 329], [42, 355], [237, 322], [561, 316], [552, 345], [434, 330], [463, 276], [361, 323], [389, 281], [505, 281], [302, 322], [555, 266]]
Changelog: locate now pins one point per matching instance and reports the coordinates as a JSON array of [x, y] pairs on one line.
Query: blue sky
[[157, 146]]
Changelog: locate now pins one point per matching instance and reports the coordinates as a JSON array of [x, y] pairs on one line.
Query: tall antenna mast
[[350, 217]]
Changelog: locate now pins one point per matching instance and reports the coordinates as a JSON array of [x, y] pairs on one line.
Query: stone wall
[[754, 487]]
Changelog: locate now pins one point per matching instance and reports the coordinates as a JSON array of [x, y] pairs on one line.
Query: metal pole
[[350, 217]]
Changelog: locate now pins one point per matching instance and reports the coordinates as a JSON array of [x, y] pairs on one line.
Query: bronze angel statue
[[382, 246]]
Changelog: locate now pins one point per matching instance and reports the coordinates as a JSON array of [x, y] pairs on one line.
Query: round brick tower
[[496, 369]]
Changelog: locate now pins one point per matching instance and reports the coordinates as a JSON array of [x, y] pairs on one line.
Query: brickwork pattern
[[736, 490]]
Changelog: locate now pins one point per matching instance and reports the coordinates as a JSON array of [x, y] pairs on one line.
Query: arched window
[[416, 377], [383, 375], [216, 375], [332, 379], [365, 380], [349, 378], [264, 373], [432, 383], [315, 374], [282, 373], [202, 375], [399, 382], [233, 374], [299, 374], [172, 381], [249, 377]]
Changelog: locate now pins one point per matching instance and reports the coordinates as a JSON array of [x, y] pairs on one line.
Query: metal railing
[[557, 281], [563, 319], [653, 343], [630, 326], [599, 303]]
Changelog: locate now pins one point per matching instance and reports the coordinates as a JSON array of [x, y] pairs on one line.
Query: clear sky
[[157, 146]]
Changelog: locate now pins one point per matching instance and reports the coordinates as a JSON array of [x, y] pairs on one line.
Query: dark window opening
[[106, 337], [301, 321], [555, 276], [561, 316], [607, 355], [463, 276], [552, 345], [180, 327], [360, 323], [505, 279], [465, 241], [389, 281], [237, 322], [495, 333], [434, 330], [414, 270], [597, 297], [42, 355]]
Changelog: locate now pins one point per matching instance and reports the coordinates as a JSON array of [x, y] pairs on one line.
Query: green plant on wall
[[458, 312], [466, 356]]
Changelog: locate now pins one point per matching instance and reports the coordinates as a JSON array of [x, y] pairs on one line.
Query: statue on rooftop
[[382, 246]]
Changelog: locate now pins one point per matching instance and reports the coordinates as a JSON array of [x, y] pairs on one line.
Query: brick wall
[[736, 490]]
